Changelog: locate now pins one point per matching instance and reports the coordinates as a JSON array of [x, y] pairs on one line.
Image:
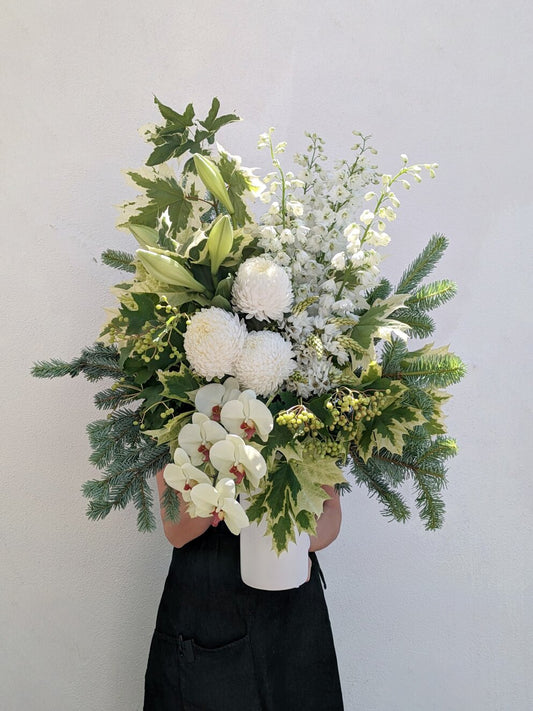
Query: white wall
[[439, 621]]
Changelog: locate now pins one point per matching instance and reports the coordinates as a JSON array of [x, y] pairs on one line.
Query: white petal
[[209, 396], [234, 516], [222, 455], [199, 418], [254, 463], [262, 418], [174, 477], [212, 431], [232, 416], [181, 457], [195, 475], [190, 439], [205, 499], [225, 488]]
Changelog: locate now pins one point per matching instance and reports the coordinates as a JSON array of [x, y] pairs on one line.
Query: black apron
[[220, 645]]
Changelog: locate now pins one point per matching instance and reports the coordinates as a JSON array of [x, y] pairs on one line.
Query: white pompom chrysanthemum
[[265, 362], [213, 341], [262, 289]]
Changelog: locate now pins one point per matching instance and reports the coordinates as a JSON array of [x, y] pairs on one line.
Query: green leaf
[[178, 385], [212, 123], [183, 120], [387, 431], [138, 317], [420, 324], [164, 152], [376, 318], [162, 194]]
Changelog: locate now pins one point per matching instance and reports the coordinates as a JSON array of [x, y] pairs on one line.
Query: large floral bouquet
[[259, 352]]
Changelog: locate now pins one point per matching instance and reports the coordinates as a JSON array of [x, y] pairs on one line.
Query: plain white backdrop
[[423, 621]]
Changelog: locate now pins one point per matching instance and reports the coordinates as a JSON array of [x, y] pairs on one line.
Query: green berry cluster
[[349, 407], [326, 448], [299, 421], [156, 339]]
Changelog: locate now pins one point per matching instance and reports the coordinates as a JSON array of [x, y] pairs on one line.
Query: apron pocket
[[218, 679]]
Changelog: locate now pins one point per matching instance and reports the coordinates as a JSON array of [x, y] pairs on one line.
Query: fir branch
[[432, 295], [438, 370], [119, 260], [95, 362], [423, 264], [111, 398], [420, 324], [393, 503], [394, 351], [171, 504], [429, 503], [381, 291]]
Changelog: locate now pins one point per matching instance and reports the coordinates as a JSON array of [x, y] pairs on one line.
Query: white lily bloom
[[198, 437], [247, 415], [219, 502], [210, 398], [182, 475], [232, 456]]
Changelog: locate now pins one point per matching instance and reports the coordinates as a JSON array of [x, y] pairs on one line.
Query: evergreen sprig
[[119, 260], [95, 362], [423, 264]]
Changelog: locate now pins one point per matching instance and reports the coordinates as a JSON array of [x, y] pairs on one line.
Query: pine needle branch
[[423, 264], [95, 362], [119, 260], [432, 295]]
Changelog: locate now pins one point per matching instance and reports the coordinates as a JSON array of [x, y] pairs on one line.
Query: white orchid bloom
[[197, 438], [233, 457], [219, 502], [247, 415], [210, 398], [182, 475]]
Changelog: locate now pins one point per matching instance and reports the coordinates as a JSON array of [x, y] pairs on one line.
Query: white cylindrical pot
[[262, 568]]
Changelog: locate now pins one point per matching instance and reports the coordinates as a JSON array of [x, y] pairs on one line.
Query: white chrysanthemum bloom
[[213, 341], [262, 289], [266, 360]]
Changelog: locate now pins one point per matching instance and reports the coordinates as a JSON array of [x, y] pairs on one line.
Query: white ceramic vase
[[262, 568]]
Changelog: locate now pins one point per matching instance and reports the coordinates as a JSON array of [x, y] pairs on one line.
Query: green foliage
[[95, 362], [119, 260], [423, 264], [162, 194], [429, 296]]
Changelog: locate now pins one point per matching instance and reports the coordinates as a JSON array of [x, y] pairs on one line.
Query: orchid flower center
[[204, 451], [215, 413], [217, 517], [249, 429], [238, 471]]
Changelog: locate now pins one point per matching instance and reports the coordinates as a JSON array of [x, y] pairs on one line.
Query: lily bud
[[168, 271], [220, 242], [145, 236], [212, 179]]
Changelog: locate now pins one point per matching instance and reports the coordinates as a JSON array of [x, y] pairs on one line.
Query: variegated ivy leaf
[[178, 384], [169, 433]]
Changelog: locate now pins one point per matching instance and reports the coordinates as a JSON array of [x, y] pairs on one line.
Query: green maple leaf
[[145, 312], [388, 430], [178, 384], [376, 318], [162, 194]]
